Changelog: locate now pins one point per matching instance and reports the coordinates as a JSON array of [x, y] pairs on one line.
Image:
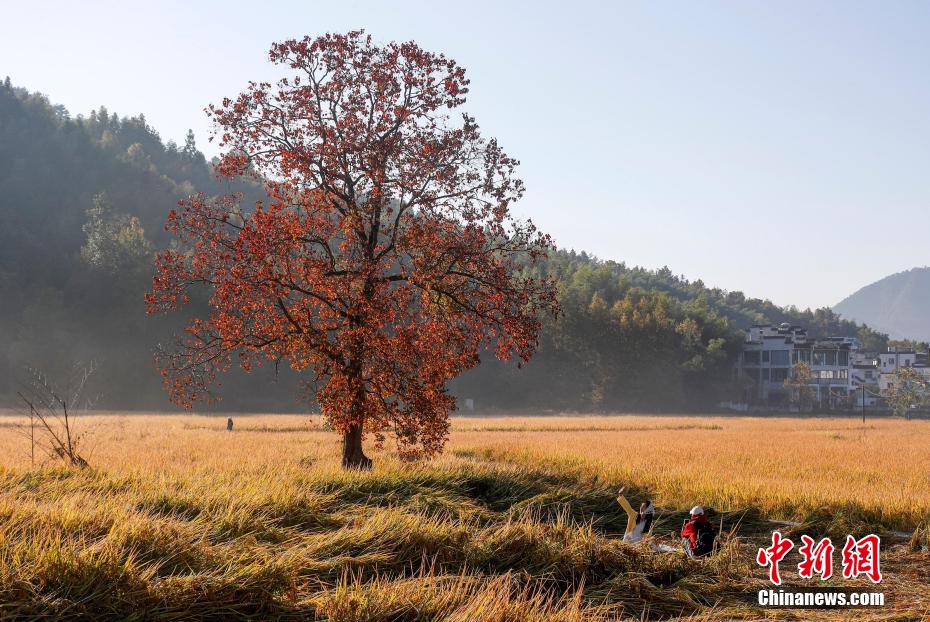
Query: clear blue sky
[[779, 148]]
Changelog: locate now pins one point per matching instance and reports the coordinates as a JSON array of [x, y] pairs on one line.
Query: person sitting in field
[[638, 523], [697, 534]]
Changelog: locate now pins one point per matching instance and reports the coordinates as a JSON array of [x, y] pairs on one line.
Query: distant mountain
[[898, 304]]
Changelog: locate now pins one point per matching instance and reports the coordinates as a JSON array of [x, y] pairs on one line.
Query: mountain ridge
[[896, 304]]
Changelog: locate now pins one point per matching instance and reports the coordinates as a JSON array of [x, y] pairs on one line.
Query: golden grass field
[[179, 519]]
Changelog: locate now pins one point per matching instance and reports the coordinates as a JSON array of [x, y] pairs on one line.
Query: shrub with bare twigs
[[51, 413]]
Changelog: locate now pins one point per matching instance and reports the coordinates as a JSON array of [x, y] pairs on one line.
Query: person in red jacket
[[697, 534]]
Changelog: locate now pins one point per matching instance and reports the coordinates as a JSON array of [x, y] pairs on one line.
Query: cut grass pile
[[177, 520], [397, 544]]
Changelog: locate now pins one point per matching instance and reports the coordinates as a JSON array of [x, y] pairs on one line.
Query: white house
[[887, 379], [865, 377], [896, 357], [770, 352]]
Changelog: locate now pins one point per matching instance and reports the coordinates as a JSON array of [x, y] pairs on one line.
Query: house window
[[751, 357], [820, 357], [779, 374], [780, 357], [765, 356], [843, 358], [830, 358]]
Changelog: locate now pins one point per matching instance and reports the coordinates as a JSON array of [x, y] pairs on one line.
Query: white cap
[[697, 510]]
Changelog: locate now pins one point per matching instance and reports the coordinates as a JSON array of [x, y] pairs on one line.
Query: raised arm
[[631, 514]]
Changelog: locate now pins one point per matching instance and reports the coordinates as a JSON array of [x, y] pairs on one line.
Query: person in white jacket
[[638, 523]]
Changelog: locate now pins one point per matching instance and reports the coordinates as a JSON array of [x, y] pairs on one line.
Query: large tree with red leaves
[[385, 257]]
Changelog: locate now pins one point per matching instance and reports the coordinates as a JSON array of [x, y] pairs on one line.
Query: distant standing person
[[697, 534], [637, 523], [229, 424]]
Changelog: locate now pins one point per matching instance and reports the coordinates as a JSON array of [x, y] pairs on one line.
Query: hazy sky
[[779, 148]]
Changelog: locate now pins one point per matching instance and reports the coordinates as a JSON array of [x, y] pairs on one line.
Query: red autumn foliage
[[385, 258]]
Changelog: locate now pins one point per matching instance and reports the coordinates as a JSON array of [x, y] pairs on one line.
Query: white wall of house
[[770, 352], [892, 360], [887, 378]]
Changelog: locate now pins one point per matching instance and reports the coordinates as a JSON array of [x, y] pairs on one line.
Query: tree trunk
[[352, 455]]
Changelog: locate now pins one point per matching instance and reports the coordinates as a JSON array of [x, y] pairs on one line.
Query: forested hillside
[[636, 339], [83, 201]]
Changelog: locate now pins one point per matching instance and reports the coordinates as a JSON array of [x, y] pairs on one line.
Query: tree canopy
[[386, 257]]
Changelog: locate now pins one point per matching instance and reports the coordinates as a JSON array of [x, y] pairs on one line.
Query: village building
[[843, 375], [889, 362], [770, 353]]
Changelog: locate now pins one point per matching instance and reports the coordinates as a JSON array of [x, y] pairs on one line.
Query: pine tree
[[190, 145]]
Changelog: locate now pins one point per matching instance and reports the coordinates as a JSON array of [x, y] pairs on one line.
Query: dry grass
[[178, 519], [784, 467]]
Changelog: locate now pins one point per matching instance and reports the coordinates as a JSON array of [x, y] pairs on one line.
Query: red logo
[[860, 557], [817, 559], [774, 554]]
